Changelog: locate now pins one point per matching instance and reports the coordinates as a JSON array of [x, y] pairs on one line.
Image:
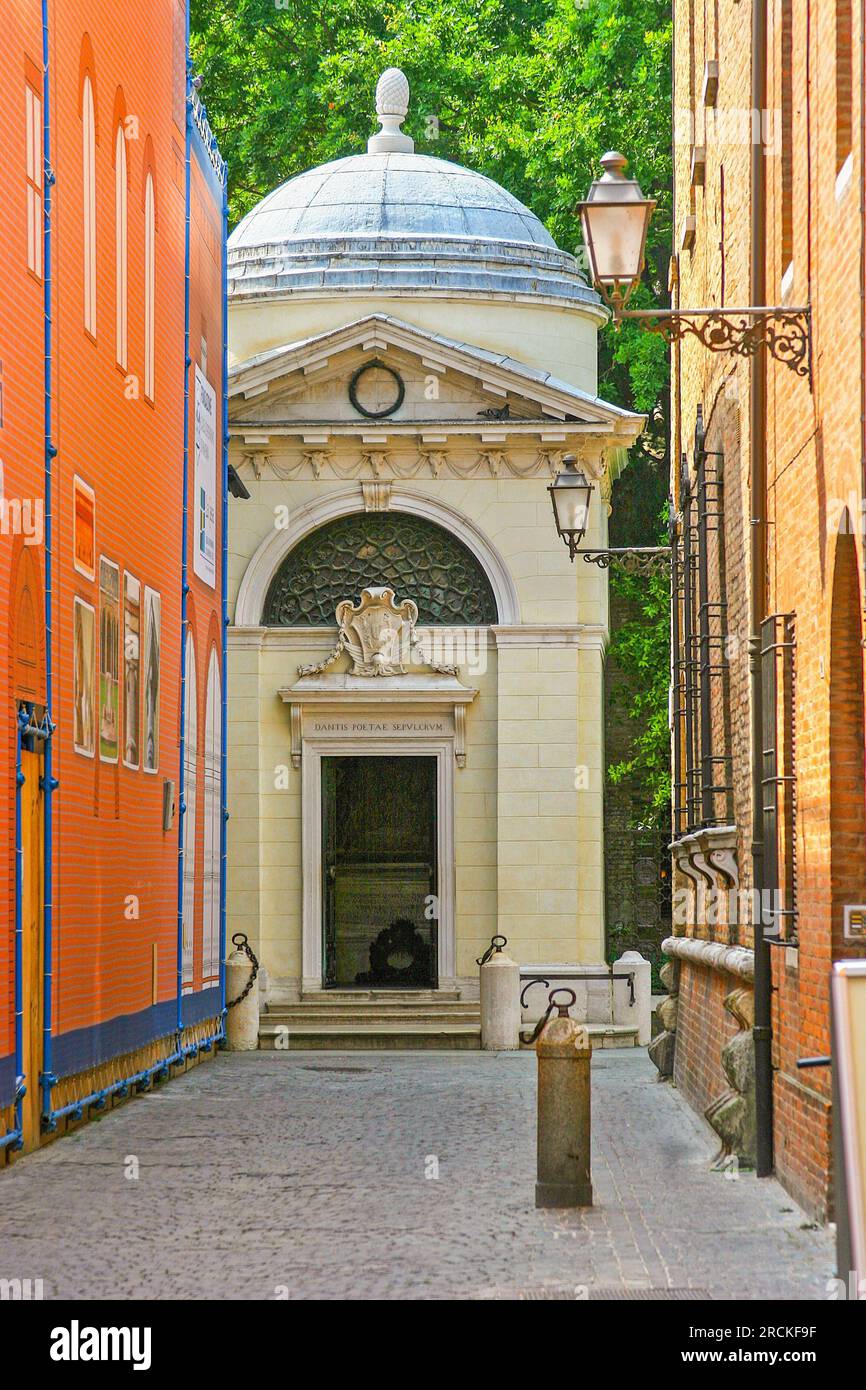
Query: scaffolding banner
[[205, 498]]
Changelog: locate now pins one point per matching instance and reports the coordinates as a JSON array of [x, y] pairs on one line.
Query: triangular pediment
[[344, 377]]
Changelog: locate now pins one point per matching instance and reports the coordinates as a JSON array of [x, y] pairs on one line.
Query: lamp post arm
[[786, 332], [752, 310], [631, 559]]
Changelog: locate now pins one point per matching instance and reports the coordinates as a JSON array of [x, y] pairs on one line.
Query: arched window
[[414, 556], [844, 81], [120, 244], [212, 820], [847, 800], [88, 118], [149, 285], [33, 143], [190, 789]]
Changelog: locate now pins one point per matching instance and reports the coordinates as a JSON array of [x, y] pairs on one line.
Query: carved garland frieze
[[390, 463]]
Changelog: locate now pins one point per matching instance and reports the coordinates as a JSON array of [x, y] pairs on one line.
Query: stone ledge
[[714, 955]]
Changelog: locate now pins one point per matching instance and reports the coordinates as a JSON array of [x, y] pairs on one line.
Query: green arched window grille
[[415, 557]]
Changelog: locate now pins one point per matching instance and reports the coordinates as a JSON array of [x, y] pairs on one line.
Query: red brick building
[[768, 486], [111, 561]]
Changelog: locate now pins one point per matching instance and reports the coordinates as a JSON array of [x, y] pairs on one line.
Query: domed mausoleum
[[415, 681]]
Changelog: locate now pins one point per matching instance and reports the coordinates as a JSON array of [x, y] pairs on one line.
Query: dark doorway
[[379, 872]]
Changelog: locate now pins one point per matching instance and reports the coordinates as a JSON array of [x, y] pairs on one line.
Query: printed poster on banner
[[205, 498]]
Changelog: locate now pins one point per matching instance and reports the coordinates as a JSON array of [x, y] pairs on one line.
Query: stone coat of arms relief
[[379, 635]]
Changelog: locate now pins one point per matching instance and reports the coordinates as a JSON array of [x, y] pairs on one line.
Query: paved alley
[[394, 1175]]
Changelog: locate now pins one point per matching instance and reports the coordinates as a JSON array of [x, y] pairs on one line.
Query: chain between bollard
[[562, 1010], [492, 949], [528, 986], [241, 941]]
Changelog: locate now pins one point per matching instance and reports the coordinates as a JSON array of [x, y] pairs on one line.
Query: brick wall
[[703, 1028], [115, 889], [814, 563], [21, 457]]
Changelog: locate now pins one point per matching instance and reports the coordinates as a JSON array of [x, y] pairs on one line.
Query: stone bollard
[[500, 999], [564, 1052], [641, 1011], [242, 1018]]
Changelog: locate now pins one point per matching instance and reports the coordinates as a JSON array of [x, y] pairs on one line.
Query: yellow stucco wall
[[528, 803], [527, 839], [556, 340]]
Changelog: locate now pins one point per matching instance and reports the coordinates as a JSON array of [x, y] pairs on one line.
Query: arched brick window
[[88, 153], [149, 285], [120, 231], [847, 772]]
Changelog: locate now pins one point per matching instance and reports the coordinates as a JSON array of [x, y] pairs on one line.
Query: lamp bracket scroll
[[785, 332], [635, 559]]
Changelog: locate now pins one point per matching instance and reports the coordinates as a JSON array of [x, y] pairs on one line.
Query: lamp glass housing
[[570, 496], [615, 220]]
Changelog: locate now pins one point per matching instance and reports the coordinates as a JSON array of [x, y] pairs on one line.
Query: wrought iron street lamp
[[615, 219], [570, 494]]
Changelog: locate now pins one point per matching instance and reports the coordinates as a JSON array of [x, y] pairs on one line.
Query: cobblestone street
[[318, 1187]]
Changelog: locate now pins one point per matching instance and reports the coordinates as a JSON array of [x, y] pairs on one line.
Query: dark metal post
[[688, 650], [676, 680], [704, 652], [762, 1031]]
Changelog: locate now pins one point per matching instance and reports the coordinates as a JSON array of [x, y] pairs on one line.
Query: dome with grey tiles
[[400, 195], [396, 221]]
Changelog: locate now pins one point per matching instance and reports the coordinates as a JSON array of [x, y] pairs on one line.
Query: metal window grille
[[778, 780], [414, 556], [702, 774]]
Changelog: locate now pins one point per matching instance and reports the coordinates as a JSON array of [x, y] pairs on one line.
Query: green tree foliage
[[529, 92], [641, 645]]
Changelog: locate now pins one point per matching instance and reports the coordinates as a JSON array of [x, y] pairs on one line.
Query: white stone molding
[[720, 849], [296, 713], [344, 502], [389, 698], [410, 457], [248, 638], [377, 495], [588, 636], [709, 857], [611, 425], [682, 861], [323, 639], [734, 960], [460, 735], [311, 814], [691, 847]]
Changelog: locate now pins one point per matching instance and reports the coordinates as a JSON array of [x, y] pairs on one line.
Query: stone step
[[375, 1037], [395, 996], [395, 1033], [362, 1006], [303, 1014], [607, 1035]]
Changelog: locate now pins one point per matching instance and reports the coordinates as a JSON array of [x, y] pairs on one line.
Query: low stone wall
[[707, 1038], [606, 1000]]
